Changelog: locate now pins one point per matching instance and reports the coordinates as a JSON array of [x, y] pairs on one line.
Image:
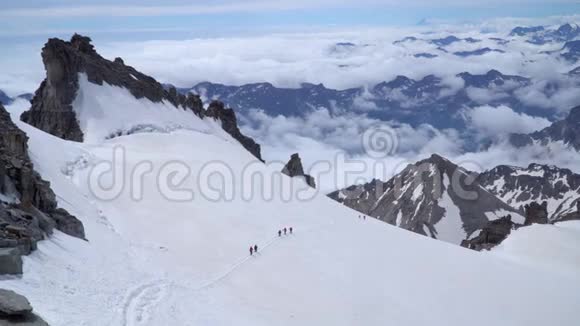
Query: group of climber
[[254, 248], [364, 217], [285, 231]]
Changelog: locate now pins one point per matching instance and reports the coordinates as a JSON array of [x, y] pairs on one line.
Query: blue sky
[[178, 19]]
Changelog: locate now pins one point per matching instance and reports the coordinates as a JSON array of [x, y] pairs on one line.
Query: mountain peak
[[66, 63]]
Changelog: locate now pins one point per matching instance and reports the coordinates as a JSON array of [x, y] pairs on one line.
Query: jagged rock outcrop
[[52, 105], [217, 110], [519, 186], [491, 235], [28, 207], [433, 197], [15, 309], [567, 131], [294, 168], [536, 213]]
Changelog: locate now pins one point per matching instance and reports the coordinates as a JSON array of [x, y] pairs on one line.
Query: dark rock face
[[518, 187], [425, 194], [10, 261], [491, 235], [536, 213], [15, 309], [567, 130], [217, 110], [52, 109], [294, 169], [28, 207]]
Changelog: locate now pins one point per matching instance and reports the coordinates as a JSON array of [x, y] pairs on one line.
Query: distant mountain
[[481, 51], [441, 42], [541, 35], [431, 100], [566, 131], [559, 188], [425, 55], [571, 51], [433, 197], [5, 99], [522, 31]]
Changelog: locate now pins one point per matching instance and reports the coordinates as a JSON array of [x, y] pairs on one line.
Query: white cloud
[[495, 122]]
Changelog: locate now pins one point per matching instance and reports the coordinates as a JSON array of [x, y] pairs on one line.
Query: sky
[[178, 19]]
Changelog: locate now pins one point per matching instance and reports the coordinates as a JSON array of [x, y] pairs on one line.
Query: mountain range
[[427, 100]]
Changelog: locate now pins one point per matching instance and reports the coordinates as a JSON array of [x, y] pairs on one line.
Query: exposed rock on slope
[[16, 310], [536, 213], [518, 187], [566, 131], [491, 235], [52, 106], [218, 111], [28, 207], [294, 168], [433, 197]]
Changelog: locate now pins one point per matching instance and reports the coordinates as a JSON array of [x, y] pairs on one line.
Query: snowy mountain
[[161, 190], [518, 187], [74, 68], [433, 197], [566, 131]]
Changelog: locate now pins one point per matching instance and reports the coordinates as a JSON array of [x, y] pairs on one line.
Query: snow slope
[[162, 262]]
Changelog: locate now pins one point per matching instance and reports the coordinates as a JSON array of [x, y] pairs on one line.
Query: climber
[[290, 230], [284, 231], [251, 250], [256, 248], [279, 233]]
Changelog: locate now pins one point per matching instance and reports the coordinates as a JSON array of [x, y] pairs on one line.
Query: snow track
[[139, 302]]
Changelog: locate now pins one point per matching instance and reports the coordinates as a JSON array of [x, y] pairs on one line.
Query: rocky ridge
[[433, 197], [28, 207], [52, 105]]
